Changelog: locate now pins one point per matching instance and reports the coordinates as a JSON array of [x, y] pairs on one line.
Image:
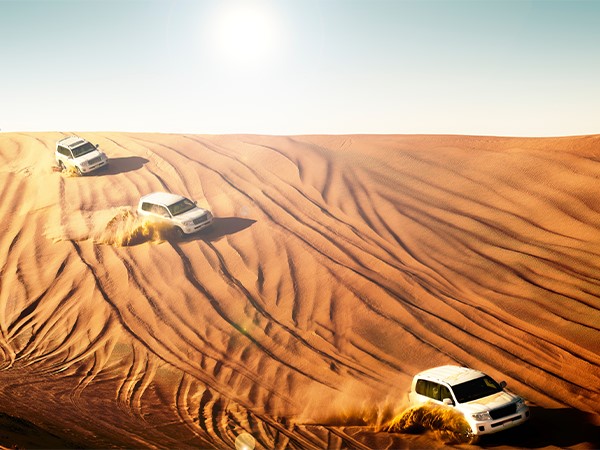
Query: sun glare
[[245, 32]]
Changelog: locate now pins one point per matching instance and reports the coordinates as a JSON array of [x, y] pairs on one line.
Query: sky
[[483, 67]]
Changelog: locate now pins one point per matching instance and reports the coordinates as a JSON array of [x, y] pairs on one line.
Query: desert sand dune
[[336, 268]]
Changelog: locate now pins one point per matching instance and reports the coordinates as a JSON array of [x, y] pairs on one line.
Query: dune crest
[[337, 267]]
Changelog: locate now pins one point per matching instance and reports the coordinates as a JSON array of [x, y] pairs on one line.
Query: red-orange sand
[[337, 267]]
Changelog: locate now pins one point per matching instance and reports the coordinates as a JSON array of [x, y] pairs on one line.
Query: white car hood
[[89, 156], [488, 403], [190, 215]]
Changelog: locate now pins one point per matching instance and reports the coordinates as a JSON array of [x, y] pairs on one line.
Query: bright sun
[[245, 32]]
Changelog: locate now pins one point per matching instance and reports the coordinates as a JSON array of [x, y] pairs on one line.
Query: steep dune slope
[[336, 268]]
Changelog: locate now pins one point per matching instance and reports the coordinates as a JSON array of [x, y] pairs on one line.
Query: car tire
[[61, 165], [179, 233], [79, 172]]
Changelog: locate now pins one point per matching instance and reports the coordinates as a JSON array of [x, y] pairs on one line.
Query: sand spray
[[351, 404], [357, 405], [127, 228], [67, 171], [119, 227], [446, 424]]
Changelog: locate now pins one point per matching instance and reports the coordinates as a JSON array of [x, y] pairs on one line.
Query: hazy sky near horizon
[[519, 68]]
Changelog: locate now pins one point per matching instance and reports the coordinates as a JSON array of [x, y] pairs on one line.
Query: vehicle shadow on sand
[[561, 427], [220, 227], [121, 164]]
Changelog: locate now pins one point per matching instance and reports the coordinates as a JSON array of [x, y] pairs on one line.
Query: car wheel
[[61, 166], [79, 172], [179, 233]]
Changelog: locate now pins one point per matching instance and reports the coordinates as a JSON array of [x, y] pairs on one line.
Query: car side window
[[146, 207], [421, 387], [160, 210], [432, 390], [64, 151], [428, 388], [445, 393]]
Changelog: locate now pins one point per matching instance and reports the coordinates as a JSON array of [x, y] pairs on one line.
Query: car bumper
[[196, 228], [493, 426], [96, 166]]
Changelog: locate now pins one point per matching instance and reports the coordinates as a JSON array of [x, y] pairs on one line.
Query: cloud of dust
[[447, 424], [352, 404], [117, 226], [68, 171], [355, 404], [127, 228]]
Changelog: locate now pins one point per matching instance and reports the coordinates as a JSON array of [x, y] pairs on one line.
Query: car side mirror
[[503, 384], [97, 145], [448, 402]]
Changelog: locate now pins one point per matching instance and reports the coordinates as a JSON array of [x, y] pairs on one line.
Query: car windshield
[[181, 207], [83, 150], [474, 389]]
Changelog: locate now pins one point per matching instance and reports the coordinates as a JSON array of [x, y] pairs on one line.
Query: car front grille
[[504, 411], [95, 160], [200, 219]]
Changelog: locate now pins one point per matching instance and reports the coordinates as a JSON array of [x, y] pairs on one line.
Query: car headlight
[[84, 163], [189, 223], [482, 416]]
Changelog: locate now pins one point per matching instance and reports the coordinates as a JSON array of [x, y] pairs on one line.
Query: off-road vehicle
[[180, 212], [80, 155], [485, 404]]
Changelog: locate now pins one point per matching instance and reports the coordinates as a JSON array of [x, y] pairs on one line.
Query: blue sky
[[513, 68]]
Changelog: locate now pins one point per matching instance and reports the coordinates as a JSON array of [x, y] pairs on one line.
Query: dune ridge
[[337, 267]]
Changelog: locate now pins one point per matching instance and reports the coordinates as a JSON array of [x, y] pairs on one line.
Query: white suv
[[486, 406], [79, 154], [181, 213]]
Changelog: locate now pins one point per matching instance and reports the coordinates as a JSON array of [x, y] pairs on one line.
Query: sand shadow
[[20, 433], [221, 227], [120, 231], [122, 164], [561, 427]]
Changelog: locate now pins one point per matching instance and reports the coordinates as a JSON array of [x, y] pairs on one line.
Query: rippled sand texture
[[337, 267]]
